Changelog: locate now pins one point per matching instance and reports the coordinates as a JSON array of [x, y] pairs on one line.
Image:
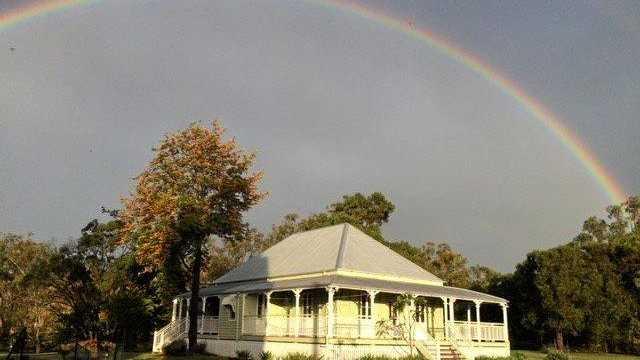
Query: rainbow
[[37, 9], [551, 121]]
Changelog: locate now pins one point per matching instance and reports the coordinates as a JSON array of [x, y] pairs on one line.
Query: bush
[[63, 352], [556, 355], [244, 355], [266, 355], [385, 357], [514, 356], [301, 356], [176, 347], [198, 348]]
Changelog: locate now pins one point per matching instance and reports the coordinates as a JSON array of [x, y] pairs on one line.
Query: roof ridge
[[343, 242]]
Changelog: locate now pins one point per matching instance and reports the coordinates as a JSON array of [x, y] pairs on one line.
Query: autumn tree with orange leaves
[[198, 186]]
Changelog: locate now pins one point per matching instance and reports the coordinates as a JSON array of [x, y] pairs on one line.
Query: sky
[[332, 104]]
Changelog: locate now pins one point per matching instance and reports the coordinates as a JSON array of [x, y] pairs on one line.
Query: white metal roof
[[348, 282], [338, 247]]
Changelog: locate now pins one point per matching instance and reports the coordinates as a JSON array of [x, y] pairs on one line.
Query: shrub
[[301, 356], [244, 355], [176, 347], [266, 355], [514, 356], [556, 355], [385, 357], [412, 357], [198, 348], [63, 352]]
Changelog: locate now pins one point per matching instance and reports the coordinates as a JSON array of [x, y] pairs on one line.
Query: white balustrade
[[172, 331], [211, 324], [354, 327], [489, 332], [350, 328], [313, 326]]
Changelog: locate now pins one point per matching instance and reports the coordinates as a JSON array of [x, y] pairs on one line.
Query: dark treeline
[[584, 294], [115, 282]]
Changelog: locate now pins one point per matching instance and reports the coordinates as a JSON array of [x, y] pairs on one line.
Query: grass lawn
[[533, 355], [41, 356], [538, 355], [152, 356]]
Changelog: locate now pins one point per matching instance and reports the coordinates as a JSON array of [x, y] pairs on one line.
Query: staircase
[[448, 352], [173, 331], [434, 349]]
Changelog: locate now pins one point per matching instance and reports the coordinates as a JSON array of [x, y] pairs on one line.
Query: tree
[[74, 298], [368, 213], [563, 297], [226, 255], [594, 229], [439, 259], [22, 304], [610, 307], [196, 186], [483, 278], [404, 325], [585, 292], [526, 314], [128, 301]]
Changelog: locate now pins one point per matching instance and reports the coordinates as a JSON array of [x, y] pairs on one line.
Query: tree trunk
[[559, 340], [37, 340], [195, 293]]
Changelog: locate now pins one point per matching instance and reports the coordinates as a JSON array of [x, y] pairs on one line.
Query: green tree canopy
[[368, 213], [586, 292], [22, 303], [197, 186]]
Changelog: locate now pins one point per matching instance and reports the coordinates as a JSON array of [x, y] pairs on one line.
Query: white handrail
[[430, 342], [483, 331], [458, 345], [169, 333]]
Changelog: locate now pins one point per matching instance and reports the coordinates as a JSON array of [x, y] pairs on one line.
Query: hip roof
[[331, 249]]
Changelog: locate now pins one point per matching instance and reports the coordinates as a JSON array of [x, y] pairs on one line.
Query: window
[[421, 311], [393, 313], [365, 305], [230, 311], [213, 306], [309, 304], [261, 306]]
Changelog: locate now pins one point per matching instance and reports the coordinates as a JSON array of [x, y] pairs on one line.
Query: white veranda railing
[[459, 342], [469, 331], [210, 324], [308, 326], [178, 329], [174, 330]]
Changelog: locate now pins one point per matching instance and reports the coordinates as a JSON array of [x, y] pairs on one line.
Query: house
[[331, 292]]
